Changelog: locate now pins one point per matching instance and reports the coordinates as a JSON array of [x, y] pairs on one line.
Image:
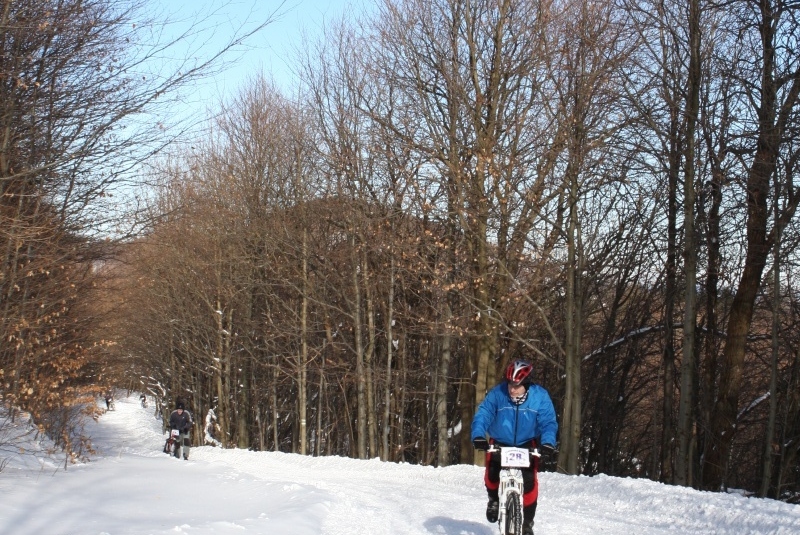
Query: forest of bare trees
[[80, 81], [603, 187]]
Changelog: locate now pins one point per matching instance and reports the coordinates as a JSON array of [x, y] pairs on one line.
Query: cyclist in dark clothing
[[181, 420]]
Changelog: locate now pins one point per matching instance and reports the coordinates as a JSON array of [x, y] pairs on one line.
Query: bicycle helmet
[[519, 372]]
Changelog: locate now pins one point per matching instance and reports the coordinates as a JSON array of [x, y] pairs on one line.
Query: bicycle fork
[[510, 493]]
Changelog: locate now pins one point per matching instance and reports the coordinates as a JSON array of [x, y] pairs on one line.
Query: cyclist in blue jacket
[[518, 413]]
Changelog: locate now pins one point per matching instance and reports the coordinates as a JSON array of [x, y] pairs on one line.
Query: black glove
[[480, 443], [548, 451]]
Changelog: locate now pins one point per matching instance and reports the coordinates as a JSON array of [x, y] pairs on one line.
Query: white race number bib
[[515, 457]]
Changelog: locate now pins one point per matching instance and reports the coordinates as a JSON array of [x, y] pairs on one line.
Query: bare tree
[[686, 416], [467, 78], [78, 77], [773, 99]]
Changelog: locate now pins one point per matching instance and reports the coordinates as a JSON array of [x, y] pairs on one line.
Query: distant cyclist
[[181, 420], [518, 413]]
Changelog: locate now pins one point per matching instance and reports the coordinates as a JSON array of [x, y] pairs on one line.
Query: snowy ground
[[132, 488]]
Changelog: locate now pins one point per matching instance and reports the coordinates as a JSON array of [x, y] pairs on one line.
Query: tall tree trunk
[[243, 411], [569, 455], [790, 438], [302, 381], [401, 404], [485, 343], [262, 425], [227, 366], [387, 390], [443, 442], [328, 342], [684, 463], [710, 365], [466, 404], [668, 425], [219, 374], [273, 401], [361, 379], [320, 402], [262, 442], [369, 354], [766, 462]]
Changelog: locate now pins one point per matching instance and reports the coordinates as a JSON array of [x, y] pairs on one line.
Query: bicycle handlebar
[[493, 448]]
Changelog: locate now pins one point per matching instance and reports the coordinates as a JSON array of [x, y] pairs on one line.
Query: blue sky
[[272, 50]]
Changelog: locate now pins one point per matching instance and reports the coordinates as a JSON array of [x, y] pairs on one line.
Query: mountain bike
[[510, 492], [172, 442]]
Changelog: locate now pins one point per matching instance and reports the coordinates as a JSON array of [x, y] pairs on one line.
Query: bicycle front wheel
[[513, 518]]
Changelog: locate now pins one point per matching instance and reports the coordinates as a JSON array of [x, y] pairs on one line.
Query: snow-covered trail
[[132, 488]]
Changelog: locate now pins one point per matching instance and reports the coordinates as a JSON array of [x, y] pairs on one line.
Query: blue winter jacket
[[516, 425]]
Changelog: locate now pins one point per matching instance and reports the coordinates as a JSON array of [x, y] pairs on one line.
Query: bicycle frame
[[172, 441], [511, 489]]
